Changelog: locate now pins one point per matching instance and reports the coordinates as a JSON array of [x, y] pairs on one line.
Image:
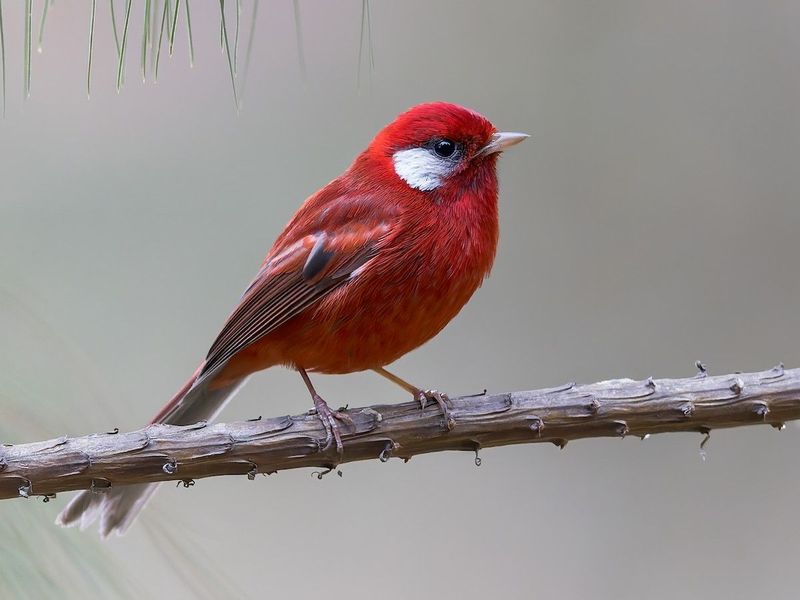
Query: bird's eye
[[444, 148]]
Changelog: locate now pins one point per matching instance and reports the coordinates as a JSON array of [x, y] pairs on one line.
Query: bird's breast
[[395, 303]]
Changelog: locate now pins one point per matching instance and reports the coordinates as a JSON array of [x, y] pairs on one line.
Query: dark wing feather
[[288, 285]]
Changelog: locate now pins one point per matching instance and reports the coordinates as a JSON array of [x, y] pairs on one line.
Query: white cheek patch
[[420, 168]]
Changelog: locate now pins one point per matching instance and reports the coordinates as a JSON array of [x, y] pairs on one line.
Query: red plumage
[[370, 267]]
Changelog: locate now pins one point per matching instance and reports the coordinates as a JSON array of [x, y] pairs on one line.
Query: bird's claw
[[423, 396], [329, 420]]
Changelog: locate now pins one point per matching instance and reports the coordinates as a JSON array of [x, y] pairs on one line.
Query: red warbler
[[371, 266]]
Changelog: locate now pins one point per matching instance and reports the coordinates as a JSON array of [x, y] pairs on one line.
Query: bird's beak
[[502, 140]]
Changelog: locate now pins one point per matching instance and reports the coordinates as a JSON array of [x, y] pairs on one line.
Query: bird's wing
[[310, 260]]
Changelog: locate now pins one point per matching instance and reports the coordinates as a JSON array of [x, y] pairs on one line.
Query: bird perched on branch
[[371, 266]]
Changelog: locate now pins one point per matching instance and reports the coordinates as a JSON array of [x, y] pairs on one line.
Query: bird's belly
[[364, 325]]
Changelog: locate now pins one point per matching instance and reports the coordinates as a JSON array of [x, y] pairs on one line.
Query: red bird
[[373, 265]]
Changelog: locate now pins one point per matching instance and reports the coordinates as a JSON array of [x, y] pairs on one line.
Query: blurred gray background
[[651, 220]]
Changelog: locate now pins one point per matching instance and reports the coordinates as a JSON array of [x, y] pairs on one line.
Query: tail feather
[[118, 507]]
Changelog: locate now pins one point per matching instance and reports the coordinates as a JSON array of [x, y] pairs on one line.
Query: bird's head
[[439, 146]]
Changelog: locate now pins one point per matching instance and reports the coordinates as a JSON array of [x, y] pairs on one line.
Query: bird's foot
[[423, 396], [329, 420]]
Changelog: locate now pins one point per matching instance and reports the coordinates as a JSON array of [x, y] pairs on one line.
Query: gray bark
[[615, 408]]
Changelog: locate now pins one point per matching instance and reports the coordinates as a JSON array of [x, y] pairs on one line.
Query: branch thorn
[[99, 486], [561, 388], [371, 411], [702, 370], [321, 474], [761, 409], [707, 436], [775, 372], [26, 489], [386, 452]]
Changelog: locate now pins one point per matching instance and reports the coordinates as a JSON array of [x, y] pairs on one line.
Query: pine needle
[[236, 38], [114, 26], [369, 32], [153, 28], [228, 52], [116, 36], [164, 17], [91, 47], [145, 39], [189, 30], [169, 16], [174, 23], [250, 37], [27, 49], [41, 25], [366, 35], [121, 63]]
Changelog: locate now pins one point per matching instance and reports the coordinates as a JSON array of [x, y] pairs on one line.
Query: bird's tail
[[116, 508]]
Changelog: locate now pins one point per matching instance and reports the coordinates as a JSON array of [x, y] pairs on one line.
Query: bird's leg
[[327, 416], [421, 396]]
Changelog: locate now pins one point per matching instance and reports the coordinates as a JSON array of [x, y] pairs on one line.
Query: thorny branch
[[615, 408]]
